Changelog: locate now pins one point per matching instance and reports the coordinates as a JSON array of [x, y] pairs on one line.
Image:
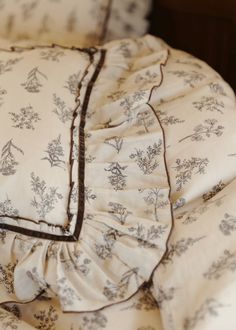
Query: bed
[[117, 174]]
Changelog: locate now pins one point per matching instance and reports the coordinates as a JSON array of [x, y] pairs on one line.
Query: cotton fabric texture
[[126, 156]]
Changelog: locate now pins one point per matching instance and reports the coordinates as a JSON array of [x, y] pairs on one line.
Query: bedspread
[[127, 219]]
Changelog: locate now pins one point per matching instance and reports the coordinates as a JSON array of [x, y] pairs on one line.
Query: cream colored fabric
[[73, 22], [159, 133]]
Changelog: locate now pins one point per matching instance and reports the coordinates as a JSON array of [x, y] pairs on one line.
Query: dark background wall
[[205, 28]]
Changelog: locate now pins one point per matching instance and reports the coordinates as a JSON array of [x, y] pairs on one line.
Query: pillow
[[84, 193], [72, 21]]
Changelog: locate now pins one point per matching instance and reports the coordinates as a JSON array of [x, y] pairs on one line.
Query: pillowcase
[[72, 21]]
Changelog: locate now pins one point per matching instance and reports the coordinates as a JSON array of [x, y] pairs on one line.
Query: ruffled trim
[[127, 19], [127, 218]]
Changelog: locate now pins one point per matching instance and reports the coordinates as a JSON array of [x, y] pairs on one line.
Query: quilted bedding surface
[[116, 189]]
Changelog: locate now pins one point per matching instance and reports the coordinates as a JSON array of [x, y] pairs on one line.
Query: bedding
[[118, 170], [73, 22]]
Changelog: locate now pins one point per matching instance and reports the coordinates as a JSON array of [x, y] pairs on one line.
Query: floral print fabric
[[72, 22], [159, 187]]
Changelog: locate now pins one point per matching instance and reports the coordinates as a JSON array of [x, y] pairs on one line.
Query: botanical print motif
[[228, 224], [78, 263], [146, 236], [6, 208], [34, 80], [26, 118], [119, 212], [145, 302], [164, 295], [55, 153], [34, 276], [147, 77], [128, 102], [187, 168], [168, 120], [147, 159], [187, 62], [67, 295], [215, 189], [197, 211], [89, 195], [155, 198], [203, 131], [115, 142], [191, 78], [117, 178], [63, 113], [7, 66], [72, 84], [145, 120], [7, 276], [104, 251], [8, 320], [45, 198], [113, 291], [179, 248], [209, 308], [53, 55], [46, 319], [124, 49], [93, 321], [8, 161], [216, 88], [14, 309], [2, 93], [227, 262], [209, 103], [179, 203]]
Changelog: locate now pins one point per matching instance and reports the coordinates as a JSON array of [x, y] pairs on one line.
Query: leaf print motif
[[179, 248], [118, 212], [6, 208], [201, 132], [8, 320], [187, 168], [209, 103], [216, 88], [77, 262], [13, 309], [228, 224], [117, 178], [191, 78], [63, 113], [145, 119], [164, 295], [209, 308], [8, 65], [2, 93], [147, 78], [124, 49], [168, 120], [93, 321], [145, 302], [35, 277], [46, 319], [104, 251], [53, 55], [147, 238], [179, 203], [113, 291], [215, 189], [67, 295], [55, 153], [25, 119], [89, 195], [72, 83], [227, 262], [8, 161], [7, 276], [45, 199], [147, 161], [115, 142], [34, 80], [156, 198], [128, 102]]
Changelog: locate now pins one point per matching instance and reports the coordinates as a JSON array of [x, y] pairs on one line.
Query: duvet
[[117, 189]]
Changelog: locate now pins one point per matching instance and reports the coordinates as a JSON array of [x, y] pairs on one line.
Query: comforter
[[116, 189]]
